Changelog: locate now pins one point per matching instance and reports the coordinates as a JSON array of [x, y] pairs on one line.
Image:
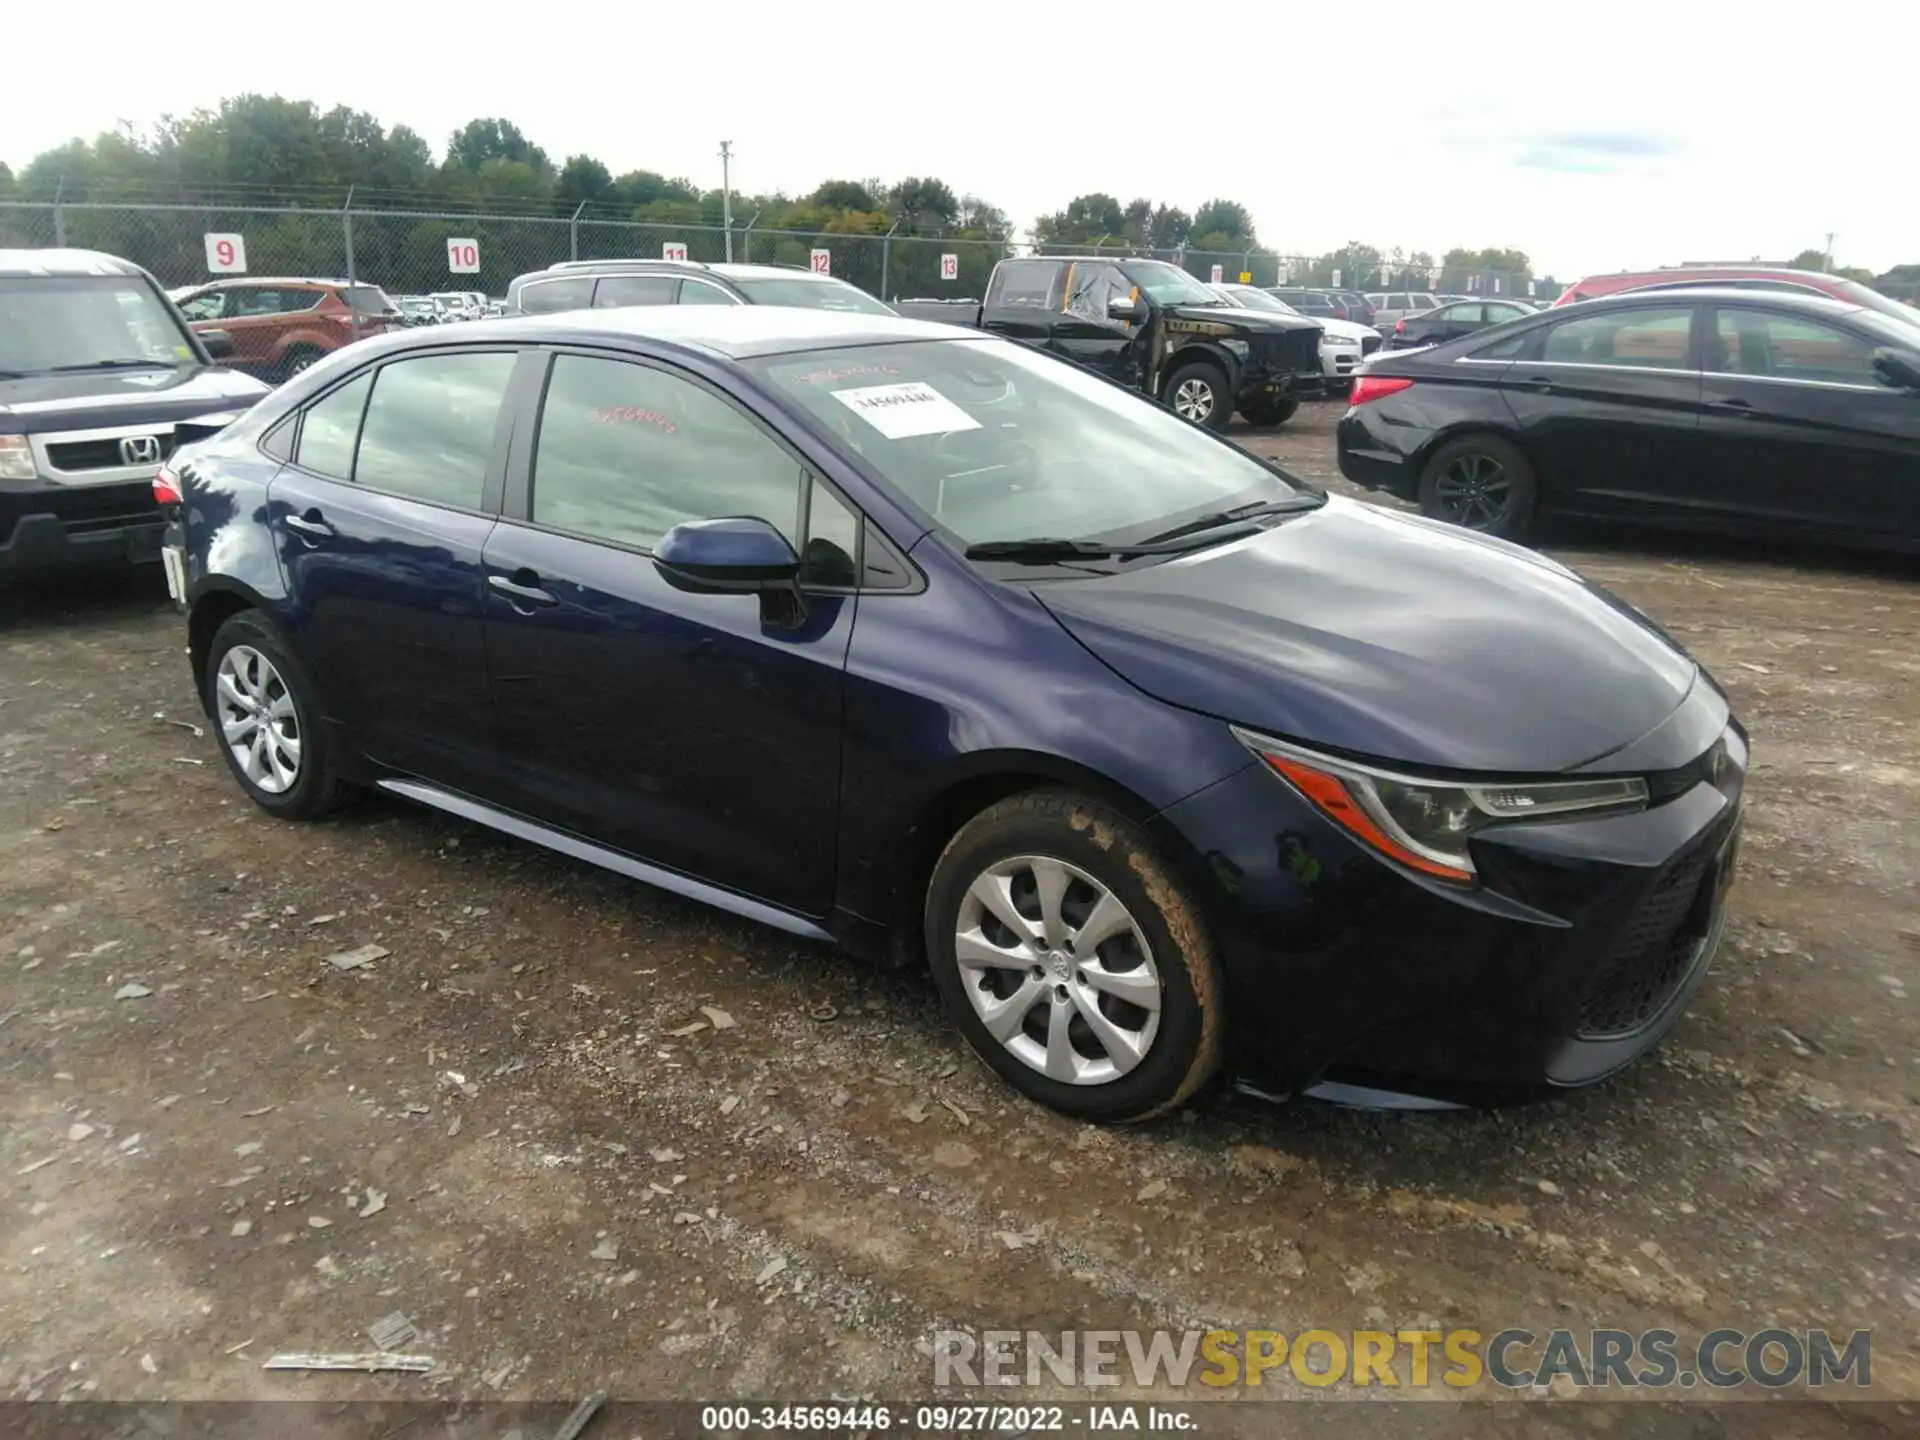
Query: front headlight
[[1239, 349], [1425, 824], [1338, 342], [16, 458]]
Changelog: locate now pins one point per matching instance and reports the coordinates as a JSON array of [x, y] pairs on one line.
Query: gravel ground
[[587, 1137]]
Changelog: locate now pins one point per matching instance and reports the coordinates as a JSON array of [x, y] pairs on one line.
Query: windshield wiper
[[108, 365], [1240, 514], [1045, 549]]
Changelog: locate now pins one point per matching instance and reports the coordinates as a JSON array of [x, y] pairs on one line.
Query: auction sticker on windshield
[[900, 412]]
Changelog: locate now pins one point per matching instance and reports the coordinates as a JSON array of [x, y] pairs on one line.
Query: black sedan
[[1728, 409], [1452, 322]]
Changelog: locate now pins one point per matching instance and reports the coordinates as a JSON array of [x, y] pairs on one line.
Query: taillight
[[1372, 387], [1400, 326], [166, 486]]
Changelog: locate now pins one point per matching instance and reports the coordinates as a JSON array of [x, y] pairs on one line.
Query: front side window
[[617, 290], [1166, 284], [331, 428], [549, 297], [626, 452], [998, 442], [1750, 342], [1092, 286], [204, 306], [428, 432], [1654, 338]]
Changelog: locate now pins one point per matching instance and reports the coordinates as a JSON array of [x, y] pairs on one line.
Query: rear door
[[251, 315], [698, 732], [1609, 408], [379, 519], [1796, 427], [1024, 299]]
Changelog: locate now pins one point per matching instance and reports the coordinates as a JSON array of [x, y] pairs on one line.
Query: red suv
[[1755, 277], [280, 327]]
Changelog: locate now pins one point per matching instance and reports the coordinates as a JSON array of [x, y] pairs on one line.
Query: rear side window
[[546, 297], [330, 429], [1023, 283], [1471, 314], [616, 290], [1654, 338], [626, 452], [429, 426]]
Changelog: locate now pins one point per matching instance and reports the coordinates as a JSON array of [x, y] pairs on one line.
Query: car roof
[[1805, 302], [64, 262], [230, 281], [1683, 272], [733, 332]]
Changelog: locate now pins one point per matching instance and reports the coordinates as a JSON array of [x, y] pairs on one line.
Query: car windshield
[[1166, 284], [805, 294], [1248, 298], [368, 299], [1866, 295], [998, 442], [73, 322]]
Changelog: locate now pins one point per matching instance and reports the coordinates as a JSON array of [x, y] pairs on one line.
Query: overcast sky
[[1610, 136]]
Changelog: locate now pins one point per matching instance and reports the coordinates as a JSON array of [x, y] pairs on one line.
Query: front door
[[1085, 334], [698, 732], [1798, 429], [380, 519]]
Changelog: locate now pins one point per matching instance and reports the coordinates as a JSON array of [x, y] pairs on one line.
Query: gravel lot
[[588, 1137]]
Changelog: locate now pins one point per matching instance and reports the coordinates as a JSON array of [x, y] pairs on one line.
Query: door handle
[[523, 588], [310, 525], [1542, 383], [1732, 402]]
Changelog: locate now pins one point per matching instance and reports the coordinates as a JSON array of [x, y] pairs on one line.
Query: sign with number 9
[[226, 254]]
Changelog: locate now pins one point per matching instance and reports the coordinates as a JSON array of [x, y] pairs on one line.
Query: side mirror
[[1897, 367], [217, 343], [741, 555], [1122, 307]]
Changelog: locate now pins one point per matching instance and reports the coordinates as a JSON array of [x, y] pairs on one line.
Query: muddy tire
[[1074, 960], [1198, 393], [1267, 414], [265, 710]]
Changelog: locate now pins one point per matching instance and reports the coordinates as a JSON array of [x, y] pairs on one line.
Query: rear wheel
[[1073, 959], [1480, 482], [266, 717], [1268, 413], [1197, 391], [301, 357]]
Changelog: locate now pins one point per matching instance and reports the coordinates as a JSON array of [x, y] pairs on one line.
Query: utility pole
[[1828, 267], [726, 193]]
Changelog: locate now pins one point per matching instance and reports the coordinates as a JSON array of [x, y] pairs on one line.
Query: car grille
[[1369, 344], [78, 455], [1297, 351], [1651, 955]]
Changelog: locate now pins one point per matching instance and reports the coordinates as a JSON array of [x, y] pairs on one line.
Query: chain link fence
[[415, 252]]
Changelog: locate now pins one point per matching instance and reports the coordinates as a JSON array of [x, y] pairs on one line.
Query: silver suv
[[605, 284]]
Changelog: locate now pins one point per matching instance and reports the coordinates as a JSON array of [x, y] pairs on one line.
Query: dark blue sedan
[[922, 642]]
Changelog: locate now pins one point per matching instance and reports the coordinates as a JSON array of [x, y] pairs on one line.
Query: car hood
[[1387, 636], [1347, 329], [1234, 318], [89, 398]]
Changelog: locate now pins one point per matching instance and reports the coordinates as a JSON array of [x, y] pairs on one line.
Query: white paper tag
[[901, 411]]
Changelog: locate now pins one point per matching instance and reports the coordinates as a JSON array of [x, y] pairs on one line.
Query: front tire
[[1198, 394], [1267, 414], [1074, 960], [266, 711], [1480, 482]]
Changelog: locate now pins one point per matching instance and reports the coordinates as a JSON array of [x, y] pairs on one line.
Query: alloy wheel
[[1193, 400], [1474, 491], [1058, 970], [258, 722]]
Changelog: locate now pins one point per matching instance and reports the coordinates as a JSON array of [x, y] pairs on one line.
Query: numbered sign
[[1218, 274], [1336, 279], [949, 267], [463, 257], [822, 262], [1280, 276], [673, 250], [226, 254]]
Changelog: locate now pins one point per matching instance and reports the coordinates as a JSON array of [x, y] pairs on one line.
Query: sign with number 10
[[463, 257]]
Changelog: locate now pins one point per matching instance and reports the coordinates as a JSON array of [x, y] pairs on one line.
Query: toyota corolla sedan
[[919, 641]]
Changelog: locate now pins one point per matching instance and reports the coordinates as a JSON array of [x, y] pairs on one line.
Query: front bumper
[[1581, 946], [70, 527]]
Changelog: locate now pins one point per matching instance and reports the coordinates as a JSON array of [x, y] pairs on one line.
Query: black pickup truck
[[1153, 327], [99, 379]]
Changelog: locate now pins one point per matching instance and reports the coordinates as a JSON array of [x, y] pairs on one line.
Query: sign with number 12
[[822, 261]]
